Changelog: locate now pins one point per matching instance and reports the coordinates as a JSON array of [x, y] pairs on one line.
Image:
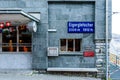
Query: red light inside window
[[89, 54], [1, 25], [8, 24]]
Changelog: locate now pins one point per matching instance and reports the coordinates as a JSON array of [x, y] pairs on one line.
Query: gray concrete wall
[[39, 51], [15, 61], [100, 19], [55, 15], [59, 13]]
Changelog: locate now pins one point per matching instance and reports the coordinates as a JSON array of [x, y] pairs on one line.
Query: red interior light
[[1, 25], [8, 24]]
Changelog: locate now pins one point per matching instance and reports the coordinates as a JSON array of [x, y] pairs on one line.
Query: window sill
[[73, 69], [71, 53]]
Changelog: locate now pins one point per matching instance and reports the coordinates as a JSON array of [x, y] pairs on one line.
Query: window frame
[[70, 52], [17, 44]]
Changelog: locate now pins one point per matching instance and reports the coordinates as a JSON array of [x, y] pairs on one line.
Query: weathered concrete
[[29, 75], [54, 15]]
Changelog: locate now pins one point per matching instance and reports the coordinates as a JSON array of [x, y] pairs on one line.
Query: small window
[[70, 45], [77, 44], [63, 44]]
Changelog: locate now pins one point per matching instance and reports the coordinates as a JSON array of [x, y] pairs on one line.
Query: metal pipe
[[106, 41]]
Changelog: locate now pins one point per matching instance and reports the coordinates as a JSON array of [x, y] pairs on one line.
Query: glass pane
[[70, 44], [9, 38], [63, 44], [24, 39], [8, 47], [25, 47], [77, 44]]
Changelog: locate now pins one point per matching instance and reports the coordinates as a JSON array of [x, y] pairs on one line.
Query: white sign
[[52, 51]]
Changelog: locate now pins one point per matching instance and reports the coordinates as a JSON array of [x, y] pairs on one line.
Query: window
[[63, 44], [16, 39], [70, 45]]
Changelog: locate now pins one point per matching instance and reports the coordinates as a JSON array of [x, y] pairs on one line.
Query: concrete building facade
[[57, 44]]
